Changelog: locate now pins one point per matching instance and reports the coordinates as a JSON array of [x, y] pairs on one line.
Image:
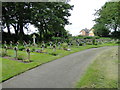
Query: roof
[[86, 30]]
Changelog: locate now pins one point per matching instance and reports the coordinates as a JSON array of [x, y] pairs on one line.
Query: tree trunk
[[8, 28], [115, 28]]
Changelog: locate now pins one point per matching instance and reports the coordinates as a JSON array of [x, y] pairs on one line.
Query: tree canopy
[[49, 17], [109, 17]]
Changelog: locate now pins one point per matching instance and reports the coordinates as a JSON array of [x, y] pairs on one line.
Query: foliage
[[109, 16], [64, 45], [27, 60], [21, 57], [21, 48], [49, 18], [53, 53], [101, 30], [93, 41], [88, 37]]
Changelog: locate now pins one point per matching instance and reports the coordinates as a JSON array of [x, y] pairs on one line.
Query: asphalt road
[[61, 73]]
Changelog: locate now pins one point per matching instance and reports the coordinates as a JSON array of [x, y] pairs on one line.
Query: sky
[[82, 14]]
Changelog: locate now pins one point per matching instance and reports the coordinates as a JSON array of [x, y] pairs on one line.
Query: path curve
[[61, 73]]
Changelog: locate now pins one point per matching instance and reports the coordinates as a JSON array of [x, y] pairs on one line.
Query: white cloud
[[82, 14]]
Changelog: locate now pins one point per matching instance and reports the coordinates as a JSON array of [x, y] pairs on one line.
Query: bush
[[89, 43], [21, 57], [81, 44], [118, 42], [33, 49], [97, 37], [88, 37], [64, 45], [27, 61], [53, 53], [93, 41]]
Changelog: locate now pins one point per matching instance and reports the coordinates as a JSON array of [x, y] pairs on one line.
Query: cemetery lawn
[[12, 68], [103, 72]]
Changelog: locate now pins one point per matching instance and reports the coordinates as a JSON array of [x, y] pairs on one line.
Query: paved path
[[61, 73]]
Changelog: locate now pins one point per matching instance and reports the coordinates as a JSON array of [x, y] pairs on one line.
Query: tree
[[50, 18], [17, 15], [109, 16], [101, 30]]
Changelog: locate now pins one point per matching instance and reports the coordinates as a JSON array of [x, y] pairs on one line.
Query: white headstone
[[34, 37]]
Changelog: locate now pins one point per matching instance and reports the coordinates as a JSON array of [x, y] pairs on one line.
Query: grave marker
[[34, 37]]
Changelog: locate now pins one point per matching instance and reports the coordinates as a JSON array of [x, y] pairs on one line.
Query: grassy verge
[[103, 73], [11, 68]]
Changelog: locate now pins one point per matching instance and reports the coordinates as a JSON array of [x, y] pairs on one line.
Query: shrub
[[53, 53], [93, 41], [97, 37], [89, 43], [21, 57], [64, 45], [88, 37], [80, 44], [33, 49], [118, 42], [26, 60]]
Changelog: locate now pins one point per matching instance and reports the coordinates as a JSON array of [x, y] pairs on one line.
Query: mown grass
[[103, 73], [11, 68]]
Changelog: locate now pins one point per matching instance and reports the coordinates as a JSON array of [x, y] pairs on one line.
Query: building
[[87, 32]]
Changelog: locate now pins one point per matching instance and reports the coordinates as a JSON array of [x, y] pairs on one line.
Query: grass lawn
[[11, 68], [103, 73]]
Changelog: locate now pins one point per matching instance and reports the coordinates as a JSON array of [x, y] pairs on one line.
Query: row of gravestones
[[16, 50], [97, 41], [78, 42]]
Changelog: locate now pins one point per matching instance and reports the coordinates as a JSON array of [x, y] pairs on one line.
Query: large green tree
[[109, 16], [49, 17], [17, 15], [101, 30]]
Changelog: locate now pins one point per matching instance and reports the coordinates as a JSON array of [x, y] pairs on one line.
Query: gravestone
[[17, 43], [43, 45], [11, 44], [69, 44], [54, 47], [59, 43], [24, 44], [34, 37], [5, 43], [5, 47], [16, 49], [29, 43], [50, 44]]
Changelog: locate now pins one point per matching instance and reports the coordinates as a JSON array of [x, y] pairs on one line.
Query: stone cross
[[69, 44], [25, 44], [11, 44], [34, 37], [43, 45], [5, 43], [50, 44], [17, 43], [59, 43], [54, 47]]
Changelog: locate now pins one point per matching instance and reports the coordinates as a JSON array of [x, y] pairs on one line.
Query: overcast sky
[[82, 14]]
